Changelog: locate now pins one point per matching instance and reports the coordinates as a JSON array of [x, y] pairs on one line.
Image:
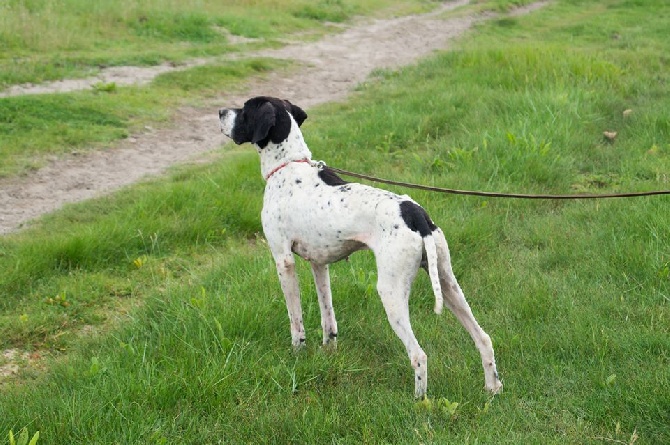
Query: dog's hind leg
[[455, 301], [289, 285], [396, 269], [328, 322]]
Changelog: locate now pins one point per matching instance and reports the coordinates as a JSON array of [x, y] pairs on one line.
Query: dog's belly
[[326, 253]]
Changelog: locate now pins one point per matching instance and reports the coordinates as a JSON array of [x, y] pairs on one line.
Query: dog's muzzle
[[226, 120]]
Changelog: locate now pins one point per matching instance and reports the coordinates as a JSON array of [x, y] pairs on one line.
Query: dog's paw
[[496, 387], [298, 344]]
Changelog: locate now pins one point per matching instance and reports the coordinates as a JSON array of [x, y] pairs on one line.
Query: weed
[[102, 87], [23, 438]]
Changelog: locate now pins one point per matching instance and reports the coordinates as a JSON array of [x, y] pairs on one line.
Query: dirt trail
[[334, 65]]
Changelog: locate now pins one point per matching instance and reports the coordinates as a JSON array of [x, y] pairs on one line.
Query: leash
[[321, 164]]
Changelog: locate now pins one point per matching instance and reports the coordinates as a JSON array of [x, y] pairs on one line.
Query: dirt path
[[333, 67]]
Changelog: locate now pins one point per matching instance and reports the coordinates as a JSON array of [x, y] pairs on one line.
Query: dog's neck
[[293, 148]]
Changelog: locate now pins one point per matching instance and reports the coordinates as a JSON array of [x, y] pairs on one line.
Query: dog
[[312, 212]]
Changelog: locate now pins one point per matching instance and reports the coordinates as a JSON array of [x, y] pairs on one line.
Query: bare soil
[[331, 68]]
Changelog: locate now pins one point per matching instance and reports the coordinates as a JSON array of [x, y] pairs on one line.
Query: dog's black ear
[[298, 113], [263, 120]]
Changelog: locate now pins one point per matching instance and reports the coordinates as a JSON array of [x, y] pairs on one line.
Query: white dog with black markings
[[310, 211]]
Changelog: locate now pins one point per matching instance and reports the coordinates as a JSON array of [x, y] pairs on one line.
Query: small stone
[[610, 135]]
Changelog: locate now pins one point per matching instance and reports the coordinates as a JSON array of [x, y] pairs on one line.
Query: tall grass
[[193, 341]]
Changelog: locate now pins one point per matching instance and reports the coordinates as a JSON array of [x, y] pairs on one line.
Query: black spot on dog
[[416, 218], [298, 181], [330, 178]]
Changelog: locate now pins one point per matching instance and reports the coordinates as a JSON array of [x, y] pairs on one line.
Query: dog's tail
[[433, 271], [418, 220]]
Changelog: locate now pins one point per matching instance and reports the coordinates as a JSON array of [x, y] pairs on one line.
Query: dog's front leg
[[289, 285], [328, 322]]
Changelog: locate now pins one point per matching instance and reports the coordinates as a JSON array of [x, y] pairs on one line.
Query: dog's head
[[262, 120]]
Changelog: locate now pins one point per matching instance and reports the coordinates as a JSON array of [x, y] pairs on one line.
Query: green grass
[[53, 39], [34, 127], [501, 5], [192, 341], [56, 39]]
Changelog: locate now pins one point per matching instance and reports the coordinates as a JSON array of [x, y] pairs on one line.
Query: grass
[[192, 341], [53, 39], [40, 45], [34, 127], [56, 39]]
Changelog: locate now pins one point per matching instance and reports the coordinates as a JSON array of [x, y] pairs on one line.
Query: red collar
[[276, 169]]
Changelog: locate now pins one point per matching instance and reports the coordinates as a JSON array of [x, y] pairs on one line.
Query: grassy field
[[155, 316], [36, 128], [55, 39], [52, 39]]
